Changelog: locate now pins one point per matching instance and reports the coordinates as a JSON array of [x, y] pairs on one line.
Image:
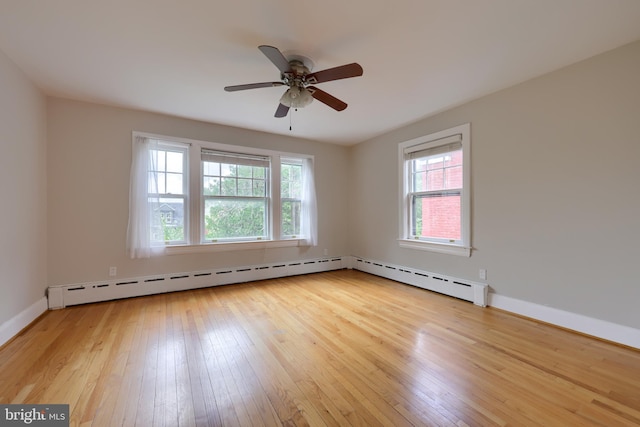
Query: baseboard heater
[[60, 296], [458, 288]]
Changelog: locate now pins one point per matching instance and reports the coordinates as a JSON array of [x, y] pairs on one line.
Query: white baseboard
[[13, 326], [609, 331], [447, 285], [613, 332], [61, 296]]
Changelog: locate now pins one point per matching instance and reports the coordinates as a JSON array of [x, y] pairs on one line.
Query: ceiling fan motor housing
[[297, 74]]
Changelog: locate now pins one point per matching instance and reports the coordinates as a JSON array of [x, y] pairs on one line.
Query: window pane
[[453, 177], [162, 182], [420, 181], [244, 171], [286, 171], [227, 169], [296, 173], [234, 218], [259, 172], [437, 216], [439, 172], [420, 165], [174, 162], [291, 193], [228, 187], [211, 168], [174, 183], [153, 160], [296, 189], [211, 186], [291, 181], [152, 182], [160, 162], [165, 179], [285, 189], [259, 188], [291, 218], [435, 179], [435, 162], [167, 220], [244, 187], [416, 220], [454, 159]]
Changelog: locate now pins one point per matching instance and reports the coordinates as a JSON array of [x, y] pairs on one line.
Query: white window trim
[[290, 160], [435, 139], [231, 246], [196, 201], [273, 170], [184, 149]]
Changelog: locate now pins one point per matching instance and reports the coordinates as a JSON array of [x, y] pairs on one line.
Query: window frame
[[238, 159], [293, 161], [194, 220], [427, 142], [166, 147]]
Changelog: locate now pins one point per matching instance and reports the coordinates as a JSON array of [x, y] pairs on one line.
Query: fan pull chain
[[291, 118]]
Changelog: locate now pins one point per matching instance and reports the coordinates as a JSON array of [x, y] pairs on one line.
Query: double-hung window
[[291, 197], [189, 196], [435, 192], [168, 193], [235, 194]]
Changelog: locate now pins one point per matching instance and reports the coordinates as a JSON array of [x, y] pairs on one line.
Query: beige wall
[[88, 172], [555, 175], [23, 195], [554, 172]]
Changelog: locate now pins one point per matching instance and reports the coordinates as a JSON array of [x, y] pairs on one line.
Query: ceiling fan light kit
[[295, 72], [296, 97]]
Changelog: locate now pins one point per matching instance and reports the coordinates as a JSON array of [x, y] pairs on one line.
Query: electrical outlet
[[113, 271], [483, 273]]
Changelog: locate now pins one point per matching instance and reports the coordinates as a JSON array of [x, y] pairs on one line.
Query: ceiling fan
[[295, 72]]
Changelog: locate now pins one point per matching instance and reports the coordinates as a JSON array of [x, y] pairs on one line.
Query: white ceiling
[[419, 57]]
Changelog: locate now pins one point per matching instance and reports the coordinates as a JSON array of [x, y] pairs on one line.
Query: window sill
[[442, 248], [231, 246]]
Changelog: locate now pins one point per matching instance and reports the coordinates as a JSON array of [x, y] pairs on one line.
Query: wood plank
[[337, 348]]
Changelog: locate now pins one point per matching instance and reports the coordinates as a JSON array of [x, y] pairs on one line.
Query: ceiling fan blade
[[275, 56], [327, 99], [282, 110], [337, 73], [252, 86]]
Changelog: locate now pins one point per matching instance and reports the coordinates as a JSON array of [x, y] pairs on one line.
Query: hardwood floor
[[340, 348]]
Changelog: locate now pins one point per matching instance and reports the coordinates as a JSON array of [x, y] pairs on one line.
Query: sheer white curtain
[[309, 210], [139, 230]]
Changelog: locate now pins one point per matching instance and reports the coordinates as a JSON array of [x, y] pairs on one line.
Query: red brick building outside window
[[437, 188]]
